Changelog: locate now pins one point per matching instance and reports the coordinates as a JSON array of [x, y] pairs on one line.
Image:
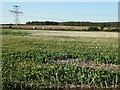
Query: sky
[[62, 11], [60, 0]]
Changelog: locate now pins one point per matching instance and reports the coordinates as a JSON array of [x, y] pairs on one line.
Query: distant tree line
[[72, 23], [42, 23]]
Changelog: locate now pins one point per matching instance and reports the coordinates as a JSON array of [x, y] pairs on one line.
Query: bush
[[93, 29], [102, 28], [115, 30], [50, 28], [10, 27]]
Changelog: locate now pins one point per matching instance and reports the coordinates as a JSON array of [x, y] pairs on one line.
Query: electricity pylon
[[16, 14]]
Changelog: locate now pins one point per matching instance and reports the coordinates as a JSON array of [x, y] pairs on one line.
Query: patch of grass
[[13, 32]]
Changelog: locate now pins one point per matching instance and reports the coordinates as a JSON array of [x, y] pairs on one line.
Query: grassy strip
[[15, 33]]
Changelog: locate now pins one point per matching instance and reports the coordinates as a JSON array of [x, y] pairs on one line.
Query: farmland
[[58, 27], [33, 59]]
